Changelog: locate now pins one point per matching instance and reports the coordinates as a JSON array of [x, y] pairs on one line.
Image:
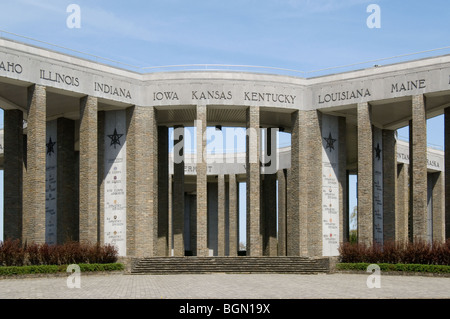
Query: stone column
[[13, 142], [34, 176], [88, 170], [365, 174], [344, 223], [418, 162], [163, 191], [227, 218], [142, 181], [67, 192], [389, 154], [51, 183], [170, 217], [101, 133], [233, 215], [438, 200], [193, 223], [281, 177], [377, 185], [254, 247], [332, 182], [346, 216], [178, 193], [313, 170], [296, 210], [402, 209], [221, 215], [269, 191], [270, 218], [187, 233], [202, 186], [447, 171]]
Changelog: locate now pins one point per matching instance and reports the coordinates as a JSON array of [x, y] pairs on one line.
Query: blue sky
[[302, 35]]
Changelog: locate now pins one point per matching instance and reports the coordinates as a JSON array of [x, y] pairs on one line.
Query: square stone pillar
[[212, 218], [178, 193], [13, 142], [438, 206], [192, 223], [67, 187], [402, 208], [88, 170], [296, 210], [313, 181], [254, 244], [389, 154], [101, 119], [170, 217], [346, 216], [142, 181], [344, 223], [221, 242], [34, 175], [332, 181], [365, 174], [163, 191], [202, 186], [378, 185], [269, 193], [233, 215], [418, 162], [281, 177], [447, 170]]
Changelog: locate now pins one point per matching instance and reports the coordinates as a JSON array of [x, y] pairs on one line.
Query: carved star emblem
[[330, 142], [378, 151], [115, 138], [50, 146]]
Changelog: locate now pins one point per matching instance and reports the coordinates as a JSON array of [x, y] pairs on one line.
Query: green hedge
[[51, 269], [397, 267]]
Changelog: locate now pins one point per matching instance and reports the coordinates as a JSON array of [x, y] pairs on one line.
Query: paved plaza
[[227, 286]]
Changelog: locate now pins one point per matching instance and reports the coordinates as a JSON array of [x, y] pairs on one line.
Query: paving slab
[[227, 286]]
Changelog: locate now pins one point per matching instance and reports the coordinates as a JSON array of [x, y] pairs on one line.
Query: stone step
[[216, 263], [240, 271], [178, 265], [223, 264], [229, 266], [224, 260]]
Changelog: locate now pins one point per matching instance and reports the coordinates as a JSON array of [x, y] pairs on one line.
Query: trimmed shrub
[[12, 253], [34, 254], [351, 252], [419, 252]]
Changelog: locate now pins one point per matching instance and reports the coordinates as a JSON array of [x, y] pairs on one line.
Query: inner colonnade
[[88, 156]]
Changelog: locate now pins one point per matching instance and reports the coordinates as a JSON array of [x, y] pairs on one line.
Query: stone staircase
[[204, 265]]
